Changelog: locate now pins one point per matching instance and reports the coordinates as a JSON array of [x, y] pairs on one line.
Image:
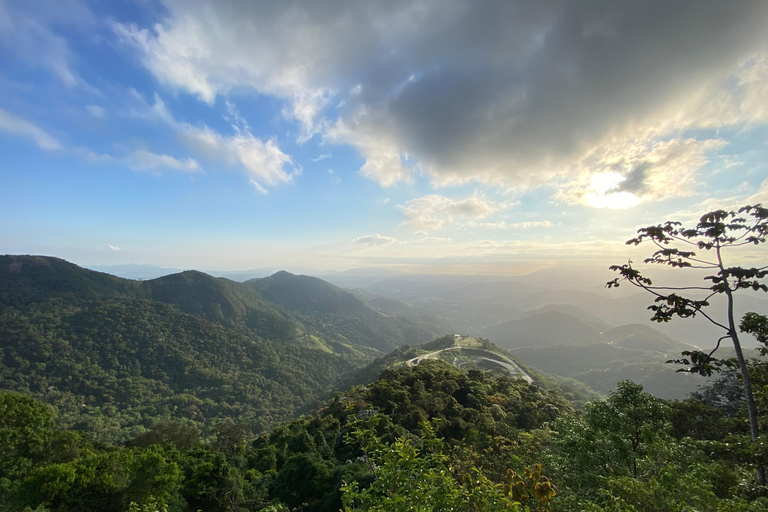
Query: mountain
[[548, 328], [569, 309], [113, 354], [28, 279], [579, 346], [307, 295], [223, 301], [642, 337], [330, 309], [602, 365]]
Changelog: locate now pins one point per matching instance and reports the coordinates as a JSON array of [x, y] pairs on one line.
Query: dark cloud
[[494, 91], [634, 181]]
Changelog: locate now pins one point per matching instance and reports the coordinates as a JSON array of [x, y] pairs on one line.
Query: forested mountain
[[308, 295], [428, 437], [330, 309], [116, 355], [181, 394]]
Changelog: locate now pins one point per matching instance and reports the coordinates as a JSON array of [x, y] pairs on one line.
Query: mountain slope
[[28, 279], [336, 312], [548, 328], [117, 364], [308, 295], [115, 355], [223, 301]]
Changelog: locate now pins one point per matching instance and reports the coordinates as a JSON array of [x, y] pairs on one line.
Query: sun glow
[[604, 192]]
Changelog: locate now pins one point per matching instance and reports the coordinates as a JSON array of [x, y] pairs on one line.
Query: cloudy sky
[[435, 135]]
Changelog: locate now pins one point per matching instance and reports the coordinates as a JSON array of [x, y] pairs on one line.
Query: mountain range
[[112, 354], [115, 355]]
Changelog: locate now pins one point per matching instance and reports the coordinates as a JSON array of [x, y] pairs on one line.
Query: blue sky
[[432, 136]]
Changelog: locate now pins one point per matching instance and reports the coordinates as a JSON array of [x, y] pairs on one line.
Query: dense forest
[[117, 356], [192, 393], [429, 437]]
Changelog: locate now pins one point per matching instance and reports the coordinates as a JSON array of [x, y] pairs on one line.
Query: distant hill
[[577, 312], [328, 308], [642, 337], [602, 365], [223, 301], [548, 328], [586, 349], [307, 294]]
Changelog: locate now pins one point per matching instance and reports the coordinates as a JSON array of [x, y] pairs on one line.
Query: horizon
[[488, 140]]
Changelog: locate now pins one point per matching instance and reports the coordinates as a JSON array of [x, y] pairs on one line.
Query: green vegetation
[[116, 367], [168, 396], [116, 356], [716, 235], [482, 419], [429, 437]]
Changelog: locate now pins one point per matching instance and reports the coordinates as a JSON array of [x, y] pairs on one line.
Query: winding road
[[501, 360]]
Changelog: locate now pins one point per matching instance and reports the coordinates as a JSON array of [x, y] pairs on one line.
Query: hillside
[[222, 301], [548, 328], [115, 355], [28, 279], [587, 350], [307, 295], [114, 366], [339, 313]]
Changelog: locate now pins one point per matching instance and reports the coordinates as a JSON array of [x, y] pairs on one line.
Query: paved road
[[511, 366]]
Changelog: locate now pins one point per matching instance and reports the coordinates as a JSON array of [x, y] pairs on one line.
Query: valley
[[198, 392]]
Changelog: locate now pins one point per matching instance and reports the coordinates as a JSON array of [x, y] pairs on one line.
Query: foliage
[[415, 475], [756, 325], [717, 232], [119, 366], [619, 455]]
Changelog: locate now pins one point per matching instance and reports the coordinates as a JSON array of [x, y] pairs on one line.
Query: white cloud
[[401, 81], [384, 159], [96, 111], [434, 239], [16, 126], [139, 160], [628, 172], [114, 248], [533, 224], [374, 240], [321, 157], [263, 161], [761, 196], [92, 157], [143, 160], [208, 55], [433, 211]]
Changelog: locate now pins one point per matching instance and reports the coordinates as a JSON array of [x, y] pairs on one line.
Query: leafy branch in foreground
[[704, 247]]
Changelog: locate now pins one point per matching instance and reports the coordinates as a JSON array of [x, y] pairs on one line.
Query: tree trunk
[[751, 407]]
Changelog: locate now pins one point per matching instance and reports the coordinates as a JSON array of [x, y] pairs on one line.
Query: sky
[[427, 136]]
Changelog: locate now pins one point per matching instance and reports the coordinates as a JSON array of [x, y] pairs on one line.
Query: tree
[[610, 437], [414, 475], [716, 233]]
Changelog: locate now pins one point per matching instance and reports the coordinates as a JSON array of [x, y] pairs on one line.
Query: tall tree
[[704, 247]]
